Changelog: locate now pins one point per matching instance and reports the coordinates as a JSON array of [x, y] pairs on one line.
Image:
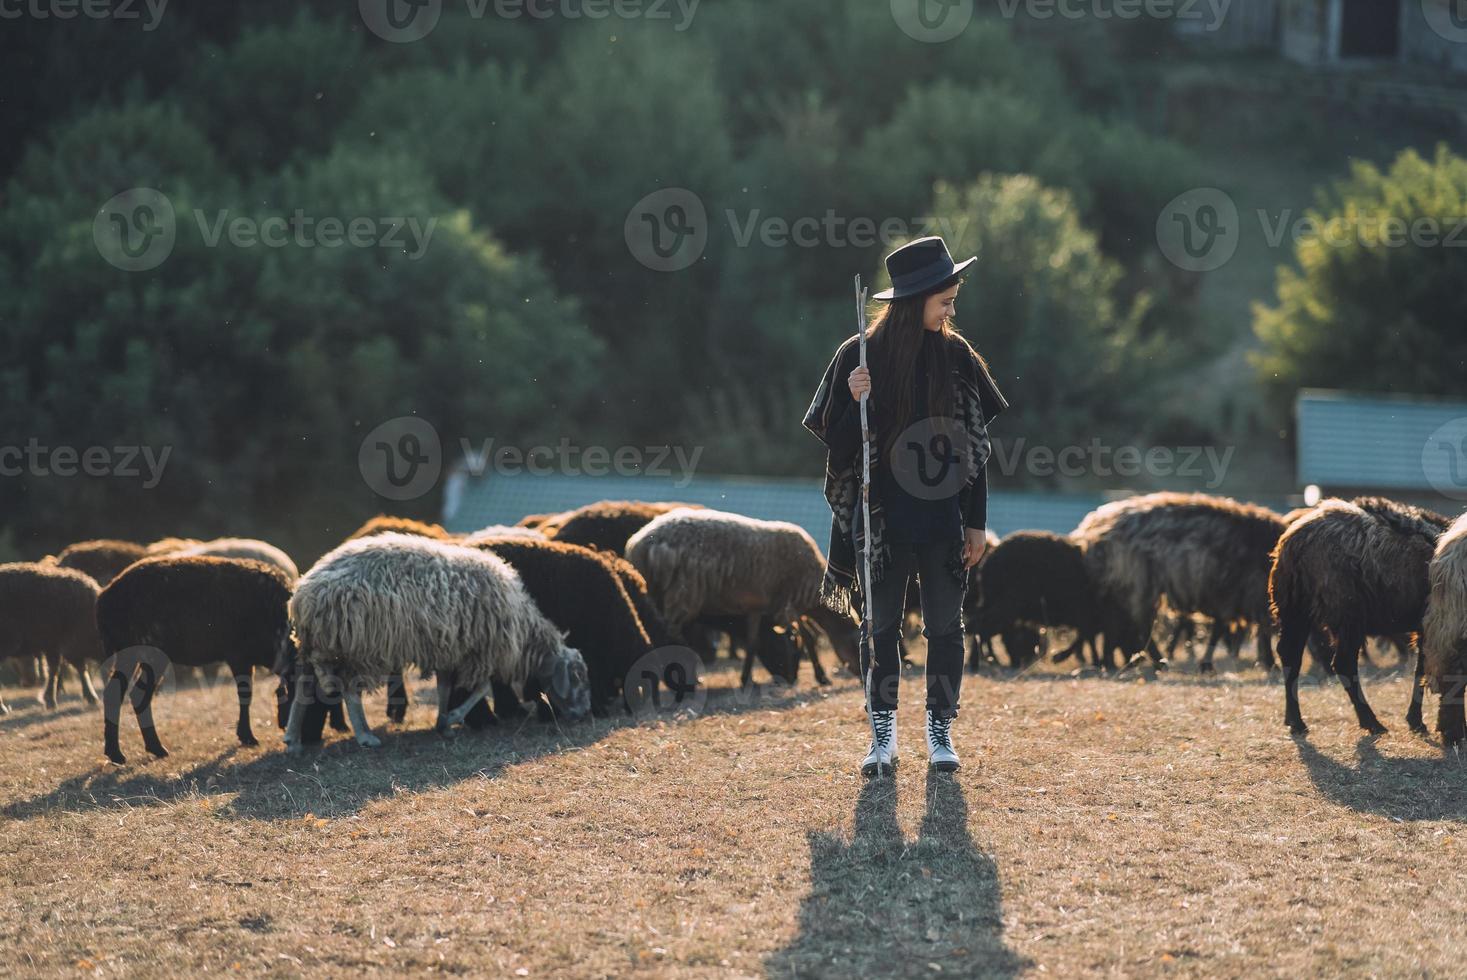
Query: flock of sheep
[[560, 613]]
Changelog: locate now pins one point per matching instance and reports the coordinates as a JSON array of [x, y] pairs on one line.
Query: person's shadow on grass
[[882, 905]]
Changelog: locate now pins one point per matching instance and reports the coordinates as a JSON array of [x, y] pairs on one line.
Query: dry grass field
[[1146, 825]]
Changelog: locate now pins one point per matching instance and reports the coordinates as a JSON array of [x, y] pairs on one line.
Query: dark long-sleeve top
[[910, 518]]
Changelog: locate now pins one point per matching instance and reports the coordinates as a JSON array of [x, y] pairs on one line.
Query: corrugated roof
[[503, 498], [1351, 439]]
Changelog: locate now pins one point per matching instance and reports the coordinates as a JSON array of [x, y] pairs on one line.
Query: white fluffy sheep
[[379, 605]]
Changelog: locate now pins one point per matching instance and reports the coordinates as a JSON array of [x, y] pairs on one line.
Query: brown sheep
[[1203, 553]]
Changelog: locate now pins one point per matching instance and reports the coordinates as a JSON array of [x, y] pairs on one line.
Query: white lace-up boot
[[881, 759], [940, 754]]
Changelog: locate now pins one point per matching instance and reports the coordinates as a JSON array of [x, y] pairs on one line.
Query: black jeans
[[942, 625]]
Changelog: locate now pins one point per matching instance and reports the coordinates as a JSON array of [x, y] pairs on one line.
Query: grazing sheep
[[191, 610], [1035, 578], [102, 559], [401, 525], [378, 605], [50, 611], [1444, 631], [1205, 554], [607, 524], [701, 562], [397, 694], [1351, 569], [250, 548], [580, 592]]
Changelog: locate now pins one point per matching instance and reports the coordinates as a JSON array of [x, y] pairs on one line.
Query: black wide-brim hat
[[918, 266]]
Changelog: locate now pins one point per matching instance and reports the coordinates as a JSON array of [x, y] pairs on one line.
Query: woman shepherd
[[929, 400]]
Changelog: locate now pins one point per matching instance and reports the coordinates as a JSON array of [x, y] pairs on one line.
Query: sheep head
[[567, 683]]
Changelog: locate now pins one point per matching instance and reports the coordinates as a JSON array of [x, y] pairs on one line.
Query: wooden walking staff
[[867, 640]]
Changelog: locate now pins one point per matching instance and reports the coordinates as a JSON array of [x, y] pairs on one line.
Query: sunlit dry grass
[[1128, 826]]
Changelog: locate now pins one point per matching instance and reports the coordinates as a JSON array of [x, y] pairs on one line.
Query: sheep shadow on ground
[[339, 778], [1401, 789], [29, 712], [882, 905]]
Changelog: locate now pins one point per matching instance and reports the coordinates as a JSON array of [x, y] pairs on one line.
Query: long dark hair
[[894, 344]]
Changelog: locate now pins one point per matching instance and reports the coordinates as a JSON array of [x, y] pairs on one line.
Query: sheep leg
[[53, 672], [1205, 666], [142, 707], [813, 644], [294, 721], [1182, 628], [1292, 637], [746, 679], [88, 691], [353, 699], [244, 684], [397, 699], [1413, 713], [1265, 644], [445, 698], [1347, 667], [454, 717], [1451, 714], [112, 712]]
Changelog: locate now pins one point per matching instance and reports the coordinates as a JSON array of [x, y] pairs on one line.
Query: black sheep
[[607, 524], [1349, 570], [48, 610], [579, 591], [102, 559], [1033, 578], [193, 611]]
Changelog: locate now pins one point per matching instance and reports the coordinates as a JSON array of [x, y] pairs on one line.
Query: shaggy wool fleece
[[379, 605], [1444, 637]]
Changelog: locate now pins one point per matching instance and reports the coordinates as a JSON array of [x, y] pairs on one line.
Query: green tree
[[260, 368], [1376, 300], [1041, 305]]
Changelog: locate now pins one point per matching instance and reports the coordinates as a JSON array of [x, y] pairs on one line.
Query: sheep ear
[[780, 630], [560, 679]]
